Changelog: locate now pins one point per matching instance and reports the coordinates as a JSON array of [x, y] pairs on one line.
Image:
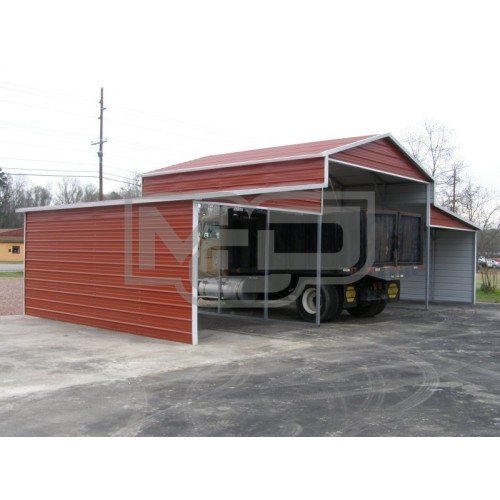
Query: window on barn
[[16, 249]]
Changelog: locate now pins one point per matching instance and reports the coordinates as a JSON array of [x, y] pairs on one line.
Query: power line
[[45, 108], [77, 176], [177, 134], [58, 148], [46, 161], [120, 109], [146, 115], [30, 129], [43, 93], [154, 117], [65, 172], [118, 144], [67, 163], [139, 145]]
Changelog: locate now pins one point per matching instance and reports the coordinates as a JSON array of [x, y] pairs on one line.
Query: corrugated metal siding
[[308, 201], [382, 155], [413, 287], [452, 269], [406, 197], [442, 219], [265, 175], [453, 266], [75, 271]]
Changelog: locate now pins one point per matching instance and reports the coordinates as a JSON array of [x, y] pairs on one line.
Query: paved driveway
[[407, 372]]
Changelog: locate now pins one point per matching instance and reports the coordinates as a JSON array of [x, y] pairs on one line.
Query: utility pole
[[454, 187], [101, 142]]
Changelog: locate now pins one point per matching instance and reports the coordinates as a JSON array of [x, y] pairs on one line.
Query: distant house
[[12, 245]]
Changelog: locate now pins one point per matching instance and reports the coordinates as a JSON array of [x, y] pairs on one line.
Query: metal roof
[[274, 154], [15, 231], [444, 218], [15, 235]]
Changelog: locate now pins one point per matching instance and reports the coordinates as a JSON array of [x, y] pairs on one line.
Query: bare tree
[[449, 190], [17, 193], [432, 146], [131, 189], [5, 200], [90, 193], [70, 191], [39, 196], [479, 204], [14, 196], [3, 179], [488, 242]]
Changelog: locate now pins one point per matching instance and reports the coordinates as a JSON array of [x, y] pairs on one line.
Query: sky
[[184, 79], [189, 78]]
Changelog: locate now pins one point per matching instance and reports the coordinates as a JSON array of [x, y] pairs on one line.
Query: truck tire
[[369, 309], [331, 305]]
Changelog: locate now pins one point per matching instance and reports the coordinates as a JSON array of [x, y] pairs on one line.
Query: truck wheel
[[331, 305], [368, 309]]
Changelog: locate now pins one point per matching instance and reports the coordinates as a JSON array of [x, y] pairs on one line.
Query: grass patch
[[9, 274], [490, 297]]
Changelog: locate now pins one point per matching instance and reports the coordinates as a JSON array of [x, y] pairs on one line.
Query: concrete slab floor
[[408, 372]]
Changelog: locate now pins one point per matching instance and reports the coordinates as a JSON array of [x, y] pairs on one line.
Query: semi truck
[[253, 258]]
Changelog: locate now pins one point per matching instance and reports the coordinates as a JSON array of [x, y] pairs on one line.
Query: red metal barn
[[130, 265]]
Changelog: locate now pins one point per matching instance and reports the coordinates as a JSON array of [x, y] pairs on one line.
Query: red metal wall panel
[[382, 155], [264, 175], [308, 201], [443, 219], [82, 266]]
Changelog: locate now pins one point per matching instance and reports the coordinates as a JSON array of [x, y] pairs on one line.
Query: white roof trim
[[371, 169], [351, 145], [91, 204], [175, 197], [455, 228]]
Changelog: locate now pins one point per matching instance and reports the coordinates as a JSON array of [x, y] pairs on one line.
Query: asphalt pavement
[[408, 372]]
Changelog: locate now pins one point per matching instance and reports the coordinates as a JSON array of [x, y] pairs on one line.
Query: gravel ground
[[11, 296]]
